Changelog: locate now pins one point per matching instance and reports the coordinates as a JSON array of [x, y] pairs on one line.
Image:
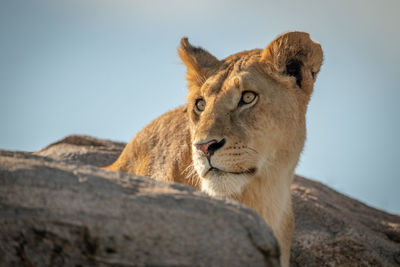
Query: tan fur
[[263, 140]]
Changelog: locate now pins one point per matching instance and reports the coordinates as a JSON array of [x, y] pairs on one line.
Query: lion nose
[[210, 147]]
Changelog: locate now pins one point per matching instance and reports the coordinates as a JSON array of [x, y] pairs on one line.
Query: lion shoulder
[[161, 150]]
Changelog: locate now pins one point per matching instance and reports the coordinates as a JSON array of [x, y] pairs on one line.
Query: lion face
[[247, 113]]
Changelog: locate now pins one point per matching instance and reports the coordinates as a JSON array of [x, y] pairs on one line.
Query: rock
[[58, 209], [83, 149], [336, 230]]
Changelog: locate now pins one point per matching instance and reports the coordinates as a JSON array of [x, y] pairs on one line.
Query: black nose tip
[[210, 147]]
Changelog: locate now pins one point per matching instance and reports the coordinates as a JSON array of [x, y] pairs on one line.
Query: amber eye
[[200, 105], [247, 98]]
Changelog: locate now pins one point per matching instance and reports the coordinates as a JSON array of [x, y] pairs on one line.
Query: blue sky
[[107, 68]]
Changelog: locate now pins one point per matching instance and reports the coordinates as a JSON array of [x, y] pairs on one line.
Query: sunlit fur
[[263, 139]]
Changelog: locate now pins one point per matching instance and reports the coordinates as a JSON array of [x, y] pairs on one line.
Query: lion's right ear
[[198, 62]]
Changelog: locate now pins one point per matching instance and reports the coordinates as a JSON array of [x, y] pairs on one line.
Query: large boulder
[[60, 209]]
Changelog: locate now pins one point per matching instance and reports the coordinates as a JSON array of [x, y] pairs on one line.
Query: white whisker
[[189, 172]]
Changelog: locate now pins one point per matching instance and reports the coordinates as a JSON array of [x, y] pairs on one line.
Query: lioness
[[242, 130]]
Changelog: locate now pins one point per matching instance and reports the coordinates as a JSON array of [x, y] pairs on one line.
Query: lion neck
[[268, 193]]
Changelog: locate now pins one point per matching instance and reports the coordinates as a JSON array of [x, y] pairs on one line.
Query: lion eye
[[247, 98], [200, 105]]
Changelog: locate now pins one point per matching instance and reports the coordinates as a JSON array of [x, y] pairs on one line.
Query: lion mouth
[[219, 171]]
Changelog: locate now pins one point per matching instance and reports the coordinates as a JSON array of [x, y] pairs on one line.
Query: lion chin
[[223, 184], [219, 177]]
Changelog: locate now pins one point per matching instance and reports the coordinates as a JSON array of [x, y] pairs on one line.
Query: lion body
[[256, 144]]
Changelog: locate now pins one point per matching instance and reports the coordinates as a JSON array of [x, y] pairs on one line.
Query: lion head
[[247, 112]]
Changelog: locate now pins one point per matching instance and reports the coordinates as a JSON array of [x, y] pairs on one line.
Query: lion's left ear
[[294, 58]]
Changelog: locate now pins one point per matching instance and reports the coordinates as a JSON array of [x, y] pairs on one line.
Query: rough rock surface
[[57, 208], [335, 230], [55, 211]]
